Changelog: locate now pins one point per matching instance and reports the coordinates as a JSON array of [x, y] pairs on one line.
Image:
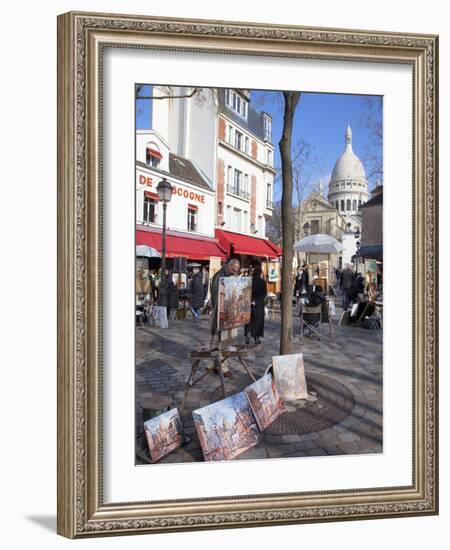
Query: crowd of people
[[199, 293]]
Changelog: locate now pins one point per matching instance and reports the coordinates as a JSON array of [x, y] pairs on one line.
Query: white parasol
[[319, 244], [147, 251]]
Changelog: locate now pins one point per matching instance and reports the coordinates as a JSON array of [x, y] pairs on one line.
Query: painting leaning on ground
[[239, 357]]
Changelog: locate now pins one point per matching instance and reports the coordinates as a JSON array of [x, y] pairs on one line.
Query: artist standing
[[255, 328]]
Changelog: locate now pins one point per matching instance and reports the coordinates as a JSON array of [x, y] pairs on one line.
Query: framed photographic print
[[297, 167]]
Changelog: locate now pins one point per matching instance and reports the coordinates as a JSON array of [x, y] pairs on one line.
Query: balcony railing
[[269, 204], [238, 191]]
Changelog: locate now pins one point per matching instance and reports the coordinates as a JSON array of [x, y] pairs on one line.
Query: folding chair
[[311, 325]]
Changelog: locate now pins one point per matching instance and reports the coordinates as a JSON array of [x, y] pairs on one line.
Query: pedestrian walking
[[347, 279], [197, 294], [255, 328], [172, 300]]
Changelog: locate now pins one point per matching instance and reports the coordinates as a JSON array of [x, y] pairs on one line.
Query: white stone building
[[348, 191], [226, 144]]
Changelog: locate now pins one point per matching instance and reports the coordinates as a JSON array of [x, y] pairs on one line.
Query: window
[[246, 183], [228, 216], [237, 103], [348, 205], [192, 218], [236, 219], [260, 226], [220, 208], [230, 134], [238, 140], [230, 177], [267, 122], [245, 228], [354, 204], [314, 227], [237, 182], [247, 145], [150, 208], [342, 206], [359, 203], [153, 156], [269, 157], [269, 196]]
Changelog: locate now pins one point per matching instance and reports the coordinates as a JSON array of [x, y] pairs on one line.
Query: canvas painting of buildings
[[226, 428], [265, 401], [164, 434], [235, 296], [289, 376]]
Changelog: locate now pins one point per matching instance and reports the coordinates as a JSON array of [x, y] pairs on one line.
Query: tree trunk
[[287, 221]]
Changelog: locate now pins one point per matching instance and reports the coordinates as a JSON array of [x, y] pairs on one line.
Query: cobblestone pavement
[[345, 373]]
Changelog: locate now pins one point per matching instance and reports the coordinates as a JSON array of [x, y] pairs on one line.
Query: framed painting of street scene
[[246, 274], [164, 434], [226, 428]]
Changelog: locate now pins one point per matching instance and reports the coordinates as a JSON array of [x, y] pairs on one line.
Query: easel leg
[[218, 364], [243, 363], [187, 387]]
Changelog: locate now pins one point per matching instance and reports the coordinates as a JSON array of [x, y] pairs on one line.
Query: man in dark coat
[[255, 328], [229, 269], [347, 279], [197, 293]]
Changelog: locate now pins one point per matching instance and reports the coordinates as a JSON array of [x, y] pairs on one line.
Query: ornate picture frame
[[82, 38]]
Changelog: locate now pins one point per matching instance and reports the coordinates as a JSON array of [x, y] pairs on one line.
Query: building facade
[[245, 171], [216, 149], [190, 213]]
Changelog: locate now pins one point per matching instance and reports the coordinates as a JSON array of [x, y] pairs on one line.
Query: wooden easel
[[218, 356]]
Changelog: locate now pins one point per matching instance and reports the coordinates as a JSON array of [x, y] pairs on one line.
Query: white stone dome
[[348, 166]]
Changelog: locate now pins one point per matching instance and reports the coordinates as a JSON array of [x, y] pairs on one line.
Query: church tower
[[348, 184]]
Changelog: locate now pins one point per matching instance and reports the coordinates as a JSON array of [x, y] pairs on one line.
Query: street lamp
[[164, 190], [307, 229]]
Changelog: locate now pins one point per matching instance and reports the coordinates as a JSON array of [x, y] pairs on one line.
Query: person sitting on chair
[[314, 299]]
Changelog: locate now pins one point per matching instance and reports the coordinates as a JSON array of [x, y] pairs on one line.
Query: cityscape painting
[[289, 375], [226, 428], [164, 434], [264, 401], [235, 296]]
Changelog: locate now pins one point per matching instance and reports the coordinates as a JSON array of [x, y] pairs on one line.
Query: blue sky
[[320, 120]]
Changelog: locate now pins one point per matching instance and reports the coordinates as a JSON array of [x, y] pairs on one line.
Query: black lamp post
[[164, 190], [307, 233]]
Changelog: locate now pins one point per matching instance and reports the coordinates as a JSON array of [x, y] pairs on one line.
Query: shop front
[[250, 250]]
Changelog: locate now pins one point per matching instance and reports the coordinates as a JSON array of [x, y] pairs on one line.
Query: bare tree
[[273, 227], [291, 100], [372, 121]]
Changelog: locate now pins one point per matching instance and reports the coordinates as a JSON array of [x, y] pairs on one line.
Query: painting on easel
[[265, 401], [164, 434], [235, 296], [227, 428]]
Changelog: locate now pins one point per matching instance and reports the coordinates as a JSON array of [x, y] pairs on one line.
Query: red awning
[[154, 153], [236, 243], [177, 246]]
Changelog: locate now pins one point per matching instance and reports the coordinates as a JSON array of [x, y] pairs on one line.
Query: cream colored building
[[322, 217]]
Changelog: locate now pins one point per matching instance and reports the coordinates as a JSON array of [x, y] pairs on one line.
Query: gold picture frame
[[81, 39]]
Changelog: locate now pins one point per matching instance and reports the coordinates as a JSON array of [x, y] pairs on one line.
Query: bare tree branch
[[181, 96]]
